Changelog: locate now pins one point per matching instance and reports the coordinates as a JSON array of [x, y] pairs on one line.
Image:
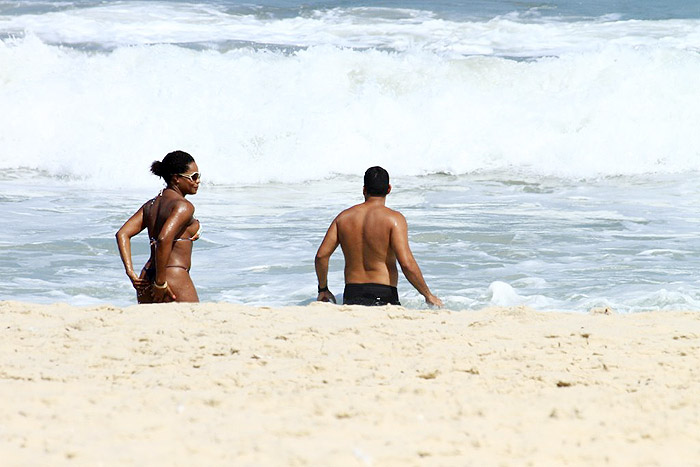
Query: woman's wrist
[[162, 286]]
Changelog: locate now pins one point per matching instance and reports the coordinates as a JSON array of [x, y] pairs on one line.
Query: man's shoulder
[[394, 212], [351, 210], [362, 210], [391, 213]]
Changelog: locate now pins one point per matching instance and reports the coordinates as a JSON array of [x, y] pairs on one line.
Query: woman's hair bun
[[175, 162], [156, 168]]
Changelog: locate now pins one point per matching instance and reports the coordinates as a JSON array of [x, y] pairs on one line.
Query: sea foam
[[251, 115], [98, 91], [522, 34]]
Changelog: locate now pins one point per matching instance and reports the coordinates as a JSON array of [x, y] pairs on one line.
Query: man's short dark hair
[[377, 181]]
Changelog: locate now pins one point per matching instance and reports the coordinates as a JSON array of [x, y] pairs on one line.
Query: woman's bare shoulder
[[183, 206]]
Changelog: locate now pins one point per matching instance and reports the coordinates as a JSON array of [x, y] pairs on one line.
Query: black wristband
[[322, 289]]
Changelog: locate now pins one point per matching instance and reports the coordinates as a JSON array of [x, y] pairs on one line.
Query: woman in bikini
[[172, 229]]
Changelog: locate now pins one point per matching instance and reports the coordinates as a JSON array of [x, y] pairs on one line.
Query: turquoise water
[[460, 10]]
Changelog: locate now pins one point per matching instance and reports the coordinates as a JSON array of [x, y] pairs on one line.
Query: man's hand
[[326, 296], [432, 300]]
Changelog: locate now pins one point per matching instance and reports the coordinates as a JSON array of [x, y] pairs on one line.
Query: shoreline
[[224, 384]]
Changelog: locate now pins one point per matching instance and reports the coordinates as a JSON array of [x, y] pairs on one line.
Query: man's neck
[[379, 200]]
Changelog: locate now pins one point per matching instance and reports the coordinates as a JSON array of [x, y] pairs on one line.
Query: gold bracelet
[[164, 286]]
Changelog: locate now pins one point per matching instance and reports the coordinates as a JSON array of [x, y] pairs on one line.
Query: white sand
[[223, 384]]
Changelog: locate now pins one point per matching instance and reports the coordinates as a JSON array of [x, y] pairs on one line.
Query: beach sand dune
[[225, 384]]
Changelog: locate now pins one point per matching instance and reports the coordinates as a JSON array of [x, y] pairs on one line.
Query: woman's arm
[[131, 227]]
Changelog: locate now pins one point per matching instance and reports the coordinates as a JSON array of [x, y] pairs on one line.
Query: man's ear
[[364, 191], [389, 190]]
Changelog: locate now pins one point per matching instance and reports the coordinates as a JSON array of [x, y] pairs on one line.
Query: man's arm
[[409, 266], [323, 255]]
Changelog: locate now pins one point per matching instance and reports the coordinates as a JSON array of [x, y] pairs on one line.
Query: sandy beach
[[225, 384]]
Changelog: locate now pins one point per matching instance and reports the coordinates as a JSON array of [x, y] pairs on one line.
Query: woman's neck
[[176, 189]]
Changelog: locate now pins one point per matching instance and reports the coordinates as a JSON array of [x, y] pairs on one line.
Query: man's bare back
[[373, 238], [364, 233]]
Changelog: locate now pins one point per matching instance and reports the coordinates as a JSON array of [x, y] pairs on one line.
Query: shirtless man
[[372, 237]]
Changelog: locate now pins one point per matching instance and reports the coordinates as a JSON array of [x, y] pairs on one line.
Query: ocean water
[[544, 153]]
